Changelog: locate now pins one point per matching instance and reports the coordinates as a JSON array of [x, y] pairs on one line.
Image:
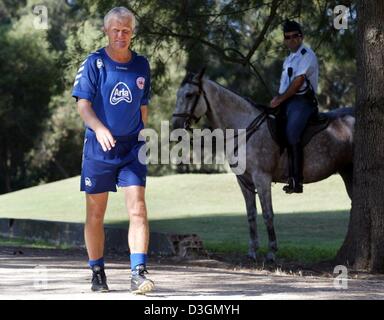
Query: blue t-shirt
[[116, 90]]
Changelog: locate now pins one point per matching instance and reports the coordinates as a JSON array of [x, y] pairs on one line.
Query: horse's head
[[191, 101]]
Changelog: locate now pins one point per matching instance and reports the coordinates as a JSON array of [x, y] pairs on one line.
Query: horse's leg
[[263, 185], [347, 175], [247, 188]]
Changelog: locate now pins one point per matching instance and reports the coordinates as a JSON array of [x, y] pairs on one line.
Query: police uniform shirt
[[302, 62], [116, 90]]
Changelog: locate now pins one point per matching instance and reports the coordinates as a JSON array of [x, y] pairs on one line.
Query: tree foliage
[[239, 41], [25, 95]]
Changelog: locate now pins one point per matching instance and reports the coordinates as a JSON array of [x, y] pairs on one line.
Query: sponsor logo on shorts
[[140, 81], [88, 182], [119, 93]]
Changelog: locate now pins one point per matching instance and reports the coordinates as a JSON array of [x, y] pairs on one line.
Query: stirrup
[[293, 187]]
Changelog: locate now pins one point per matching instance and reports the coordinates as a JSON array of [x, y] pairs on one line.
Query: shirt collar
[[297, 52]]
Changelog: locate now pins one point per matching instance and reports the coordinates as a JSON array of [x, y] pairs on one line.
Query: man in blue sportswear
[[112, 89]]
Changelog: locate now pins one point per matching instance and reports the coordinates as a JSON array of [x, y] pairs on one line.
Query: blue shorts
[[102, 171]]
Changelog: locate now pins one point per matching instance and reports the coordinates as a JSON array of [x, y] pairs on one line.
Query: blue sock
[[137, 259], [98, 262]]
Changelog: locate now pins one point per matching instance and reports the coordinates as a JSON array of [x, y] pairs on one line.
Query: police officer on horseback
[[297, 97]]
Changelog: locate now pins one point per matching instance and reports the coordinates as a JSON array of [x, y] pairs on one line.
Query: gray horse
[[328, 152]]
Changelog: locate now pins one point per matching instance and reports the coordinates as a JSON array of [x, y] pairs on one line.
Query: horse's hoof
[[270, 258]]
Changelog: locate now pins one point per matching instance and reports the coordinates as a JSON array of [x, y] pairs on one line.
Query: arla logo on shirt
[[119, 93]]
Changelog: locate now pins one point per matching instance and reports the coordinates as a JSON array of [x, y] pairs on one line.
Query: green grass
[[309, 227], [17, 242]]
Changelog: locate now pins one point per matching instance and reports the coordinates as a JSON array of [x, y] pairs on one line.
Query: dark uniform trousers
[[298, 110]]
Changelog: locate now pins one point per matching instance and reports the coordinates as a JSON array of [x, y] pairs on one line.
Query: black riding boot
[[295, 161]]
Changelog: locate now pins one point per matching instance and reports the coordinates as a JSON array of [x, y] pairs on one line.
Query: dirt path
[[27, 273]]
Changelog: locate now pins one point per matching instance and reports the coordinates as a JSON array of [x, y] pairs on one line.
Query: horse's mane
[[189, 78], [259, 106]]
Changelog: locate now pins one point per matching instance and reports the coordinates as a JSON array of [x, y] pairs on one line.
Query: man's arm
[[144, 114], [293, 88], [103, 135]]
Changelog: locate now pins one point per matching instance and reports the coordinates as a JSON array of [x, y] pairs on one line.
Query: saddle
[[276, 120], [277, 123]]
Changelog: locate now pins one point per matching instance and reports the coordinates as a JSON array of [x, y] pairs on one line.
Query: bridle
[[190, 116], [250, 130]]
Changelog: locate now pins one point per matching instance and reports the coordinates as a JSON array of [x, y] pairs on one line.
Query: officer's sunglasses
[[293, 36]]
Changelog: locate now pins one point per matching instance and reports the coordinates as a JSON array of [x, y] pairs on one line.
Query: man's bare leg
[[94, 224], [138, 237], [138, 234], [94, 238]]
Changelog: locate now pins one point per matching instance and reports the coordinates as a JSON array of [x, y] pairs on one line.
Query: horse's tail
[[341, 112]]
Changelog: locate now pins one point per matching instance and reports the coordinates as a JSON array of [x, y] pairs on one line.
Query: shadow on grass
[[304, 236]]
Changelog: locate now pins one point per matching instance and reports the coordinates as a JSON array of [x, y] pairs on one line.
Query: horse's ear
[[188, 77], [201, 73]]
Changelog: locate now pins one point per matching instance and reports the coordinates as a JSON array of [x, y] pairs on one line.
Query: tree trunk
[[363, 247]]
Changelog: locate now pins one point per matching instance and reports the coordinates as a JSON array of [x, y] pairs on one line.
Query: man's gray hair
[[121, 12]]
